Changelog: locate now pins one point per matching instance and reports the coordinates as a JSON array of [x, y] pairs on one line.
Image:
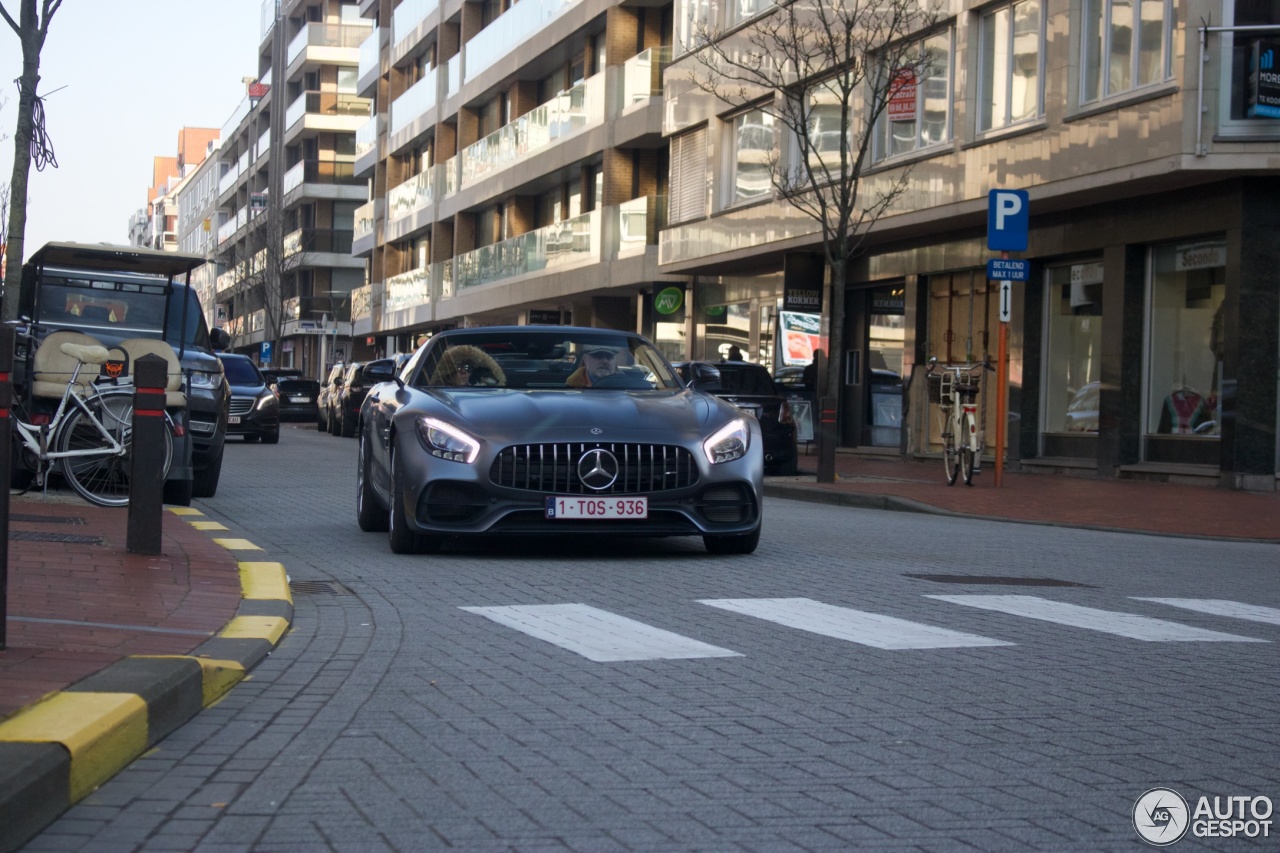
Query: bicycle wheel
[[965, 454], [98, 472], [950, 455]]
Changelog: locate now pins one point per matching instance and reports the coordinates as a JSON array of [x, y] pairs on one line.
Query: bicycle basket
[[935, 387]]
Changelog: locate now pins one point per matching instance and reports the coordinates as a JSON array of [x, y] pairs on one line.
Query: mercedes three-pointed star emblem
[[598, 469]]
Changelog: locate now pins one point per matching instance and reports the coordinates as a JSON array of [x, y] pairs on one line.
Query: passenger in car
[[468, 365]]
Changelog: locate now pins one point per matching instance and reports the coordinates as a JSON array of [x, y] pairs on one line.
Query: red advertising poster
[[902, 96], [801, 335]]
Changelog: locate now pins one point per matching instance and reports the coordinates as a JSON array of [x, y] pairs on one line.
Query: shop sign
[[802, 297], [902, 96], [544, 318], [889, 302], [258, 90], [1087, 273], [1199, 256], [1264, 81], [668, 300]]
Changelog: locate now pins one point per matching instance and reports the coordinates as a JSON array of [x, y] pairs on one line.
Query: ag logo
[[1161, 817]]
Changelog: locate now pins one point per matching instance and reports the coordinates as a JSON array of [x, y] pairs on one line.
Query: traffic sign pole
[[1002, 384]]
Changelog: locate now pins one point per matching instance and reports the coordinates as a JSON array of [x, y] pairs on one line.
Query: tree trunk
[[829, 399], [18, 180]]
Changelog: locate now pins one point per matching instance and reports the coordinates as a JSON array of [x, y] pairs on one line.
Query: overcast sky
[[130, 74]]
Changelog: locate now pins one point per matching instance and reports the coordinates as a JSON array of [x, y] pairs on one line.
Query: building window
[[695, 22], [1116, 58], [751, 151], [741, 10], [1244, 53], [1073, 357], [1011, 50], [688, 197], [918, 114], [826, 126], [1184, 360]]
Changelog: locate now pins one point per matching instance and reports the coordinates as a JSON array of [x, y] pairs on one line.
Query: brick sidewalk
[[78, 602]]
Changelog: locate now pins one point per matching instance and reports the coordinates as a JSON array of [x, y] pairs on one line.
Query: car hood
[[565, 413]]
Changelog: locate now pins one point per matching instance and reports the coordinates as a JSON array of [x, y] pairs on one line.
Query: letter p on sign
[[1008, 217]]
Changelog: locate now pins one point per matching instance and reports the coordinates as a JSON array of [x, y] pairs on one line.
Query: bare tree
[[273, 253], [822, 73], [30, 142]]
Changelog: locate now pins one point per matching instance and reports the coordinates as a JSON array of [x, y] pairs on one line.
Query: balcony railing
[[328, 35], [264, 144], [406, 17], [449, 175], [642, 75], [566, 113], [242, 165], [228, 280], [361, 302], [367, 137], [368, 55], [406, 290], [442, 273], [326, 104], [330, 240], [319, 172], [558, 245], [227, 181], [639, 221], [291, 309], [454, 70], [518, 25], [413, 195], [237, 116], [365, 219], [413, 102], [268, 15]]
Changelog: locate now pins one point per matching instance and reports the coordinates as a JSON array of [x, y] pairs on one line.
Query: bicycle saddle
[[85, 354]]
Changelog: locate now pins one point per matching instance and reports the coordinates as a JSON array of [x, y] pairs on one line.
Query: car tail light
[[784, 413]]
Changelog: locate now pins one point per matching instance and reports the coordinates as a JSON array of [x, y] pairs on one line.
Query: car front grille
[[241, 405], [553, 468]]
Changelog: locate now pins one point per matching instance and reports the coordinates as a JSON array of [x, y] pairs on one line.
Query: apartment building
[[157, 228], [1144, 343], [287, 193], [515, 164]]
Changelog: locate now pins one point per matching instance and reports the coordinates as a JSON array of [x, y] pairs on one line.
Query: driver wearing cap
[[597, 362]]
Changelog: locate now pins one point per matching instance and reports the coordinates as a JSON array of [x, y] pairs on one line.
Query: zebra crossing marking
[[599, 635], [855, 626], [1222, 607], [1107, 621]]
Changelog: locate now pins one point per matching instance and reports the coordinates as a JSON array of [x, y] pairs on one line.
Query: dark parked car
[[348, 397], [553, 430], [328, 390], [255, 410], [751, 388], [298, 398], [275, 374]]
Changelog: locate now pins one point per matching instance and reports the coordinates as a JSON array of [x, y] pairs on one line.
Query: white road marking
[[1222, 607], [599, 635], [856, 626], [1107, 621]]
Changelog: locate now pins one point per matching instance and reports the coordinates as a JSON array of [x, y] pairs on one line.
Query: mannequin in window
[[1183, 411]]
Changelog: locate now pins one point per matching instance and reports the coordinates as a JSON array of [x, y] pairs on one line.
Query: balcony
[[370, 67], [228, 181], [406, 290], [228, 131], [639, 221], [316, 241], [641, 77], [328, 44], [413, 195], [518, 25], [319, 172], [264, 146], [364, 237], [336, 112], [406, 25], [361, 302], [565, 114], [559, 246], [267, 17], [367, 154], [413, 103], [228, 279]]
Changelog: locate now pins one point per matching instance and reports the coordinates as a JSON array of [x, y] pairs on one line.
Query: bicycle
[[955, 390], [90, 433]]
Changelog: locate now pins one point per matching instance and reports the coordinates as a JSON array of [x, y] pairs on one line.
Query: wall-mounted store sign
[[1264, 80], [802, 297], [543, 318], [669, 300], [1199, 256]]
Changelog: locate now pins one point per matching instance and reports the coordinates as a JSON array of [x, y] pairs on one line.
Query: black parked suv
[[298, 397], [255, 409], [118, 294], [751, 388], [347, 398]]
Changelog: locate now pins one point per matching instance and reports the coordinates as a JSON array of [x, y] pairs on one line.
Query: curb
[[59, 750]]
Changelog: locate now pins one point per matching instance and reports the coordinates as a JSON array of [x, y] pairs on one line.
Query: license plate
[[603, 509], [233, 419], [299, 399]]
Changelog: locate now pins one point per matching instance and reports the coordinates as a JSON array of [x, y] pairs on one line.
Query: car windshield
[[544, 359], [298, 386], [241, 372]]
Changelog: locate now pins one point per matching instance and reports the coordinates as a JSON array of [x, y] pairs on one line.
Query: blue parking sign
[[264, 355], [1008, 220]]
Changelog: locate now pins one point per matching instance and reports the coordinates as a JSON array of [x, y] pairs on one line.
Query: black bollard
[[6, 467], [146, 462]]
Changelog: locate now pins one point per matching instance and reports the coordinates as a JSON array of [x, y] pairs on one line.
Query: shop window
[[1011, 50], [918, 114], [1249, 108], [1184, 362], [1073, 357], [751, 149], [1125, 46]]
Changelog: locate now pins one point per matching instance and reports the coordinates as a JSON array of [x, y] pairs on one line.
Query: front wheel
[[966, 451], [402, 539], [369, 513], [100, 473], [950, 455]]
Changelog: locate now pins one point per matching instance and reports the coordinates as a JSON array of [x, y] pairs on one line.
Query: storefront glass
[[1073, 357], [1188, 283]]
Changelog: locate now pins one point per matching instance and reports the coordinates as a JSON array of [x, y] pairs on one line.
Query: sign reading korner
[[1008, 269]]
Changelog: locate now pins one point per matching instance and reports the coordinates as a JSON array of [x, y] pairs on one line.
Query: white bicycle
[[955, 390], [89, 437]]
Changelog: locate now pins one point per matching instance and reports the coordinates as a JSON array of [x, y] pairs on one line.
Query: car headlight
[[730, 442], [445, 441], [204, 379], [265, 400]]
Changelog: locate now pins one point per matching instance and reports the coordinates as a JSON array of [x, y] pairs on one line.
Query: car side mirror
[[382, 370], [220, 339], [705, 378]]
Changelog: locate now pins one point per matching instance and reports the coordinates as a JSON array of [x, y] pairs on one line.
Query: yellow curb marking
[[217, 676], [207, 525], [184, 510], [264, 580], [270, 628], [237, 544], [102, 731]]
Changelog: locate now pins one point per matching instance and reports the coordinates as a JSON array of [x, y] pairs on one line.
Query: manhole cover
[[37, 536], [318, 588], [998, 580]]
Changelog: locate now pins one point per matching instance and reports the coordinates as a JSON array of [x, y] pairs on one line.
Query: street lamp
[[324, 325]]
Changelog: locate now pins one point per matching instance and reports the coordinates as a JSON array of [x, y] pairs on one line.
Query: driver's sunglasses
[[465, 367]]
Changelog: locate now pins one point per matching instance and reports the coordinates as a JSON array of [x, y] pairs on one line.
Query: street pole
[[1002, 389]]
